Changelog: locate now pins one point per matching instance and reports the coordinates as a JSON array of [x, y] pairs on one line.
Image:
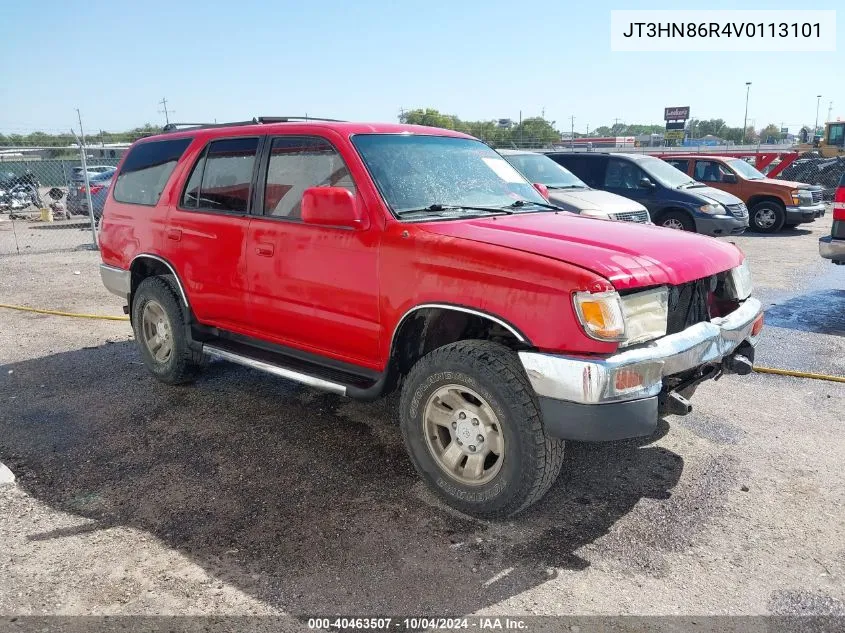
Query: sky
[[228, 61]]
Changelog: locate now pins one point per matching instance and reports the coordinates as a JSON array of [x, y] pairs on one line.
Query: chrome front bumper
[[587, 380], [116, 280]]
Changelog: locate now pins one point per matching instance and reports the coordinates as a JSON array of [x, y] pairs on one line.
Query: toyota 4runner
[[365, 258]]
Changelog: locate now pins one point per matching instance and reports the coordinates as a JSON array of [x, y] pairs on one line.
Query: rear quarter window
[[590, 169], [147, 169]]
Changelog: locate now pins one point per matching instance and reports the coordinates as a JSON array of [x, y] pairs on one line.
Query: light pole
[[816, 126], [745, 119]]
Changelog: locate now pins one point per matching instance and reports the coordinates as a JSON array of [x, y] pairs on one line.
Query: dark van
[[673, 199]]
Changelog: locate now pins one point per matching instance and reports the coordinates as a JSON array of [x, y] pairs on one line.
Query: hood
[[627, 254], [581, 199], [713, 194], [791, 184]]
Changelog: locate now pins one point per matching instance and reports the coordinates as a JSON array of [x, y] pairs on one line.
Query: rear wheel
[[767, 217], [472, 426], [677, 220], [158, 320]]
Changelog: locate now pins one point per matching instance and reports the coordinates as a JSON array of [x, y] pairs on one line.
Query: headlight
[[740, 281], [711, 209], [594, 213], [600, 315], [646, 314], [801, 197], [632, 319]]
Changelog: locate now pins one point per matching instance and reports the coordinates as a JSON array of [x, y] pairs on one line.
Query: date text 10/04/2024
[[416, 624]]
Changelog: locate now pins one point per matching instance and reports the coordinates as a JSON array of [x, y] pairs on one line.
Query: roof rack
[[174, 127]]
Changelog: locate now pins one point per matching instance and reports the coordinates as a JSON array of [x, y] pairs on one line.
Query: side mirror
[[333, 206], [645, 183], [542, 189], [729, 179]]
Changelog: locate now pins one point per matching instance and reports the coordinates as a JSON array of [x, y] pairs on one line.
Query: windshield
[[416, 172], [663, 172], [745, 170], [542, 169]]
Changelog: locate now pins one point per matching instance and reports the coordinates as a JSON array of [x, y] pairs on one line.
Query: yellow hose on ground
[[104, 317], [798, 374]]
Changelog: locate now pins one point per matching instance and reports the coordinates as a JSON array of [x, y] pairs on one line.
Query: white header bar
[[742, 31]]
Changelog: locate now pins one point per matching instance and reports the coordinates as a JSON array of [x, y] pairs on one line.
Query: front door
[[712, 173], [625, 178], [207, 232], [314, 288]]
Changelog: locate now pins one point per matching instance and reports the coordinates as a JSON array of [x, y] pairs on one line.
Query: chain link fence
[[813, 169], [44, 202]]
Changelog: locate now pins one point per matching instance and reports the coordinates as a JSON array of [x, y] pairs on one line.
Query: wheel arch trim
[[160, 259], [458, 308]]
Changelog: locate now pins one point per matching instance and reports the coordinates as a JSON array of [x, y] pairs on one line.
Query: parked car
[[832, 247], [772, 203], [566, 190], [76, 201], [673, 199], [364, 258]]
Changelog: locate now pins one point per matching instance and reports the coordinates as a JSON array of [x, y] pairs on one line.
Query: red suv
[[364, 258]]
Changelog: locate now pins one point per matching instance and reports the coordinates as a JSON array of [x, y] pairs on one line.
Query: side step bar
[[276, 370]]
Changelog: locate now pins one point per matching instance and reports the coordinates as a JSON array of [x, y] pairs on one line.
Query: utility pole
[[816, 126], [745, 119], [163, 103], [572, 132], [520, 128], [543, 113], [829, 111]]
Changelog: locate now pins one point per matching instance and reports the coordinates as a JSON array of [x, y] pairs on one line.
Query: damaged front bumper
[[614, 397]]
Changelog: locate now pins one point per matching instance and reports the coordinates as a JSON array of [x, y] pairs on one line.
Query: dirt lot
[[245, 494]]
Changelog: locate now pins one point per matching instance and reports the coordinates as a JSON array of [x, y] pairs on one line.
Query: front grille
[[738, 210], [689, 304], [632, 216], [817, 196]]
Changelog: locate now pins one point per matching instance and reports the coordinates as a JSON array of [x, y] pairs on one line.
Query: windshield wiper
[[566, 186], [527, 203], [437, 208]]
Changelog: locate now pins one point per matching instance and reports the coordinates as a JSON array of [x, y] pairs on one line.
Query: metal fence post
[[88, 192]]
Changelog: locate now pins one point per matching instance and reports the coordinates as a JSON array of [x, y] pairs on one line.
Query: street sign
[[784, 131], [676, 114], [674, 135], [675, 125]]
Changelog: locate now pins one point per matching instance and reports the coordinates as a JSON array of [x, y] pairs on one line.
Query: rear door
[[314, 288], [590, 169], [206, 232]]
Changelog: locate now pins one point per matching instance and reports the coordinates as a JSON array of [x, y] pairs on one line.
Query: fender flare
[[170, 267]]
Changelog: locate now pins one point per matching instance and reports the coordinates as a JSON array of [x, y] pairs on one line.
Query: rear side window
[[146, 170], [296, 164], [590, 169], [677, 163], [222, 178]]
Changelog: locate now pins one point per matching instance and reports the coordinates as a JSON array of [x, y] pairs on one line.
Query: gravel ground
[[245, 494]]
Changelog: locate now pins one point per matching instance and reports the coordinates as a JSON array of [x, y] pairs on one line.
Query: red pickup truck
[[364, 258]]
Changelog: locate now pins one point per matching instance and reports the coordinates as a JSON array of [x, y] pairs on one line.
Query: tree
[[535, 132], [771, 131]]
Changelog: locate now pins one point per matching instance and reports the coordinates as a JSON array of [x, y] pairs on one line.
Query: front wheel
[[472, 426], [767, 217], [677, 220]]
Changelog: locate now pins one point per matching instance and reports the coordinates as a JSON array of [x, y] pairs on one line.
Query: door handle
[[174, 234], [265, 249]]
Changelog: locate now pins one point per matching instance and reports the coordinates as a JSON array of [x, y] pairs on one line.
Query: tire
[[767, 217], [677, 220], [468, 373], [158, 311]]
